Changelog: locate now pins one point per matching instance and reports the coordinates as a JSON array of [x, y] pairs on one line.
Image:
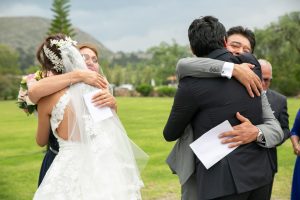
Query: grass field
[[143, 118]]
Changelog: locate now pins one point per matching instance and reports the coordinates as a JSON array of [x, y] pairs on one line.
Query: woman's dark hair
[[46, 63]]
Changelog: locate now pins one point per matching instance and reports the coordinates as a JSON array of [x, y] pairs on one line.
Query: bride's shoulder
[[51, 99]]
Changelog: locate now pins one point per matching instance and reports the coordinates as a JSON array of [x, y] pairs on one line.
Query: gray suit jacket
[[181, 159], [279, 106]]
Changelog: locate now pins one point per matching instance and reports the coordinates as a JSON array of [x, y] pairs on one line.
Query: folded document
[[97, 114], [208, 148]]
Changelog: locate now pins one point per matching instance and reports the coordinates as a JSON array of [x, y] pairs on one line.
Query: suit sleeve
[[271, 127], [199, 67], [183, 109]]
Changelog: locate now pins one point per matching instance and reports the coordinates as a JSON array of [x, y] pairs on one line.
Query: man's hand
[[94, 79], [104, 98], [244, 74], [243, 133]]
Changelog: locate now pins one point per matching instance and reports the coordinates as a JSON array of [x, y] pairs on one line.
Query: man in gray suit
[[244, 133], [277, 101], [278, 104]]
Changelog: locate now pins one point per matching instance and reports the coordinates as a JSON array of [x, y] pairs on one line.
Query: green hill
[[24, 34]]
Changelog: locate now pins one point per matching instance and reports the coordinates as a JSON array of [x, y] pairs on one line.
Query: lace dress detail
[[98, 171], [57, 113]]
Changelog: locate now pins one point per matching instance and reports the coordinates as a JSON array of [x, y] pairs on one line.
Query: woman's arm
[[295, 133], [296, 145], [53, 84], [42, 133]]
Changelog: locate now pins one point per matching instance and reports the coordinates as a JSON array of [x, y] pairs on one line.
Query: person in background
[[295, 135], [278, 103]]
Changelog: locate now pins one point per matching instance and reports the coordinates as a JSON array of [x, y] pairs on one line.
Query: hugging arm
[[42, 133], [245, 132], [210, 68], [183, 109], [52, 84], [270, 128], [199, 67]]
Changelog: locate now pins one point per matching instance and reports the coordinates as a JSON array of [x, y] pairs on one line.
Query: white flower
[[63, 43], [28, 101]]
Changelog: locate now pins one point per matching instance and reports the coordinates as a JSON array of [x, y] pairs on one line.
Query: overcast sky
[[132, 25]]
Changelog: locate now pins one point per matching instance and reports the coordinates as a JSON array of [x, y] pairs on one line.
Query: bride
[[96, 159]]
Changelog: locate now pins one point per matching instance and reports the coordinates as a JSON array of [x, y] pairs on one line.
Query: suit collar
[[217, 53]]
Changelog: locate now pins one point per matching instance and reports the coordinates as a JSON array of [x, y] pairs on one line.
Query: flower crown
[[61, 44]]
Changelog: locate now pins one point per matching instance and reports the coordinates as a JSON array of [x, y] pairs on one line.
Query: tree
[[9, 61], [26, 58], [279, 44], [9, 86], [164, 59], [157, 63], [9, 68], [61, 23]]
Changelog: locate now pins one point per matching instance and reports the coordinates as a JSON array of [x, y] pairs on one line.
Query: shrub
[[144, 89], [166, 91]]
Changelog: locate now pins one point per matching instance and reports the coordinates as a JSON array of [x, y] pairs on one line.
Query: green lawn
[[143, 118]]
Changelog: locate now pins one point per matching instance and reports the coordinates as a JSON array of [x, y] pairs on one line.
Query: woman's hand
[[94, 79], [296, 145], [296, 149], [104, 98]]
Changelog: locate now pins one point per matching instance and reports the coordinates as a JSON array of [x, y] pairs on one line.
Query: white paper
[[208, 148], [97, 114]]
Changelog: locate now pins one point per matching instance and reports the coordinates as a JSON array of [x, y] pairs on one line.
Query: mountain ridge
[[24, 34]]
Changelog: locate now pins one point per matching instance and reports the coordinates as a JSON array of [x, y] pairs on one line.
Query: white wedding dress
[[102, 169]]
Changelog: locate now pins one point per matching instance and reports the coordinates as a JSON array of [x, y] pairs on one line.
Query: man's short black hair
[[247, 33], [206, 34]]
